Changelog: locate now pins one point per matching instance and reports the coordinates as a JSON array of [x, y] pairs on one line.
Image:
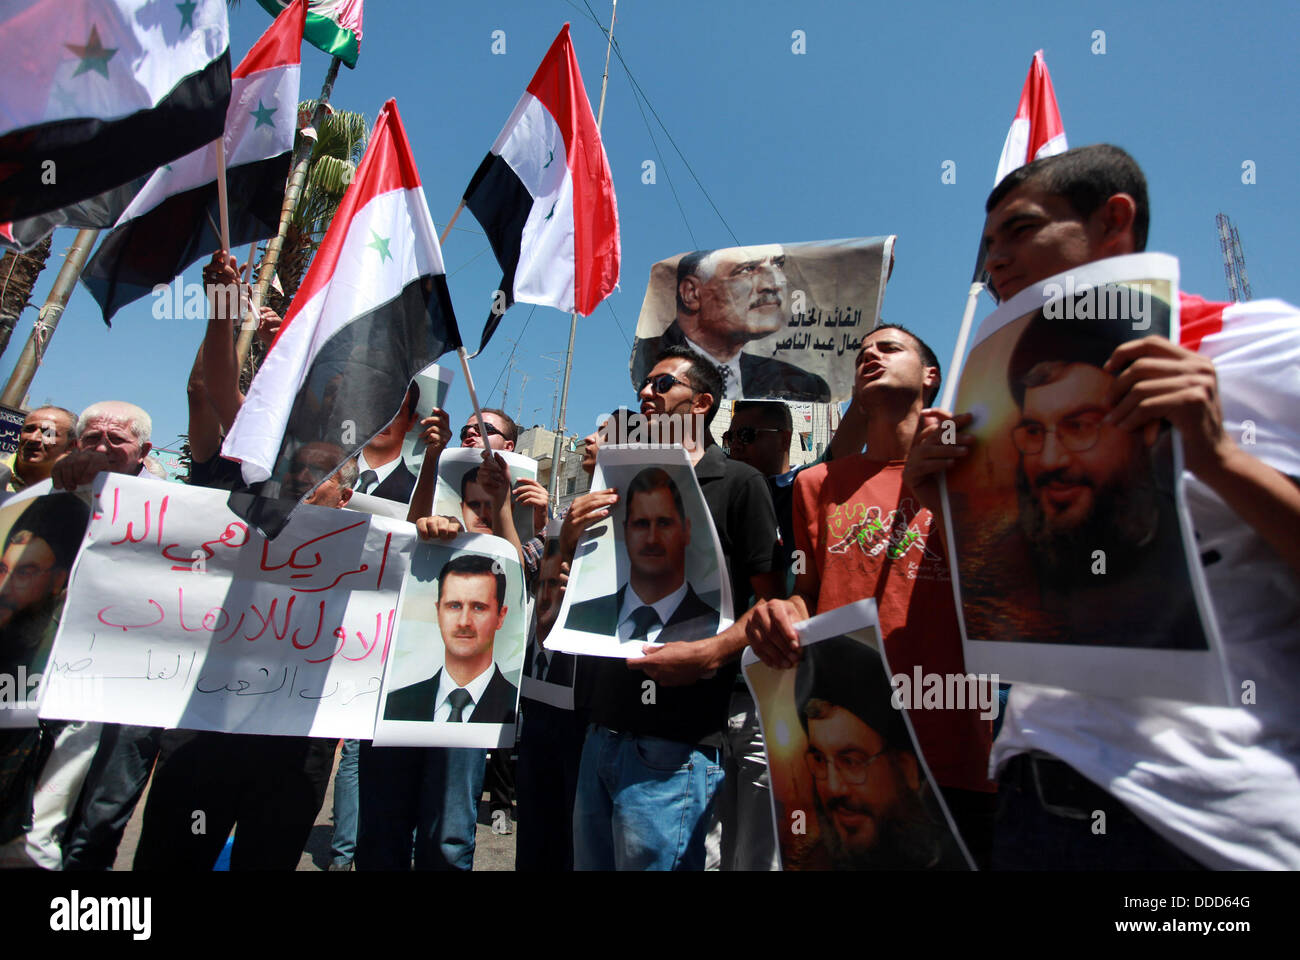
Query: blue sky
[[847, 139]]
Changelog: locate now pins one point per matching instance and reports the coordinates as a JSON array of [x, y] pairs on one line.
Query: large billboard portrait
[[1076, 562], [781, 321], [850, 787]]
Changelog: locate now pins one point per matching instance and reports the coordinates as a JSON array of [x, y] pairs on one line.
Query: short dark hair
[[927, 355], [412, 398], [511, 432], [466, 478], [702, 375], [1086, 177], [475, 565], [57, 518], [654, 478], [773, 413]]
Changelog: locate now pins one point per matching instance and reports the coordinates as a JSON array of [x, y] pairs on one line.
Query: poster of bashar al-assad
[[780, 321], [453, 677], [1074, 559], [430, 386], [458, 493], [40, 534], [652, 571], [548, 675], [850, 788]]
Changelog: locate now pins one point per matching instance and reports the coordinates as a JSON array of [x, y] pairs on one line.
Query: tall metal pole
[[573, 318], [297, 178], [48, 319]]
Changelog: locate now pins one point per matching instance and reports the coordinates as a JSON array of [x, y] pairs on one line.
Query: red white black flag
[[545, 196], [372, 311]]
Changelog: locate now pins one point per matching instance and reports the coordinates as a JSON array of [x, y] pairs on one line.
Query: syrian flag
[[332, 25], [173, 221], [95, 93], [545, 197], [1037, 130], [372, 312], [97, 213]]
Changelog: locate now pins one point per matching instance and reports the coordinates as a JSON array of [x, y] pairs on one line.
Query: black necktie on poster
[[459, 700], [643, 618], [724, 372], [367, 480], [541, 664]]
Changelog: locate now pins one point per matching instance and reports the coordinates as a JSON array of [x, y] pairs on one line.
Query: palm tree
[[18, 273]]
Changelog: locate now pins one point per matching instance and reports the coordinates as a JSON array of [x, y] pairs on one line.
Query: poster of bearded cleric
[[850, 788], [652, 572], [781, 321], [41, 533], [1074, 560], [453, 677]]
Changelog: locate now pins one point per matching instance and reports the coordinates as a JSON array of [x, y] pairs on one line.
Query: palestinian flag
[[173, 221], [332, 25], [1036, 130], [372, 312], [95, 93], [545, 197]]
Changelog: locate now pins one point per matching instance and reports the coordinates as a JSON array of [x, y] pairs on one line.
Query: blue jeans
[[422, 800], [643, 803], [347, 801]]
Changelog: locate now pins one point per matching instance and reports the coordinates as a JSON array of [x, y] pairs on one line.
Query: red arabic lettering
[[131, 626], [206, 624], [187, 563], [320, 622], [130, 524], [293, 561], [341, 636]]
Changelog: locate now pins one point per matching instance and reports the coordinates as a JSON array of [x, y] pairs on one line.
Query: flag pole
[[223, 204], [554, 493], [450, 223], [297, 179]]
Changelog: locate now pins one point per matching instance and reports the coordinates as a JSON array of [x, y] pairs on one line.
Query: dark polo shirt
[[741, 506]]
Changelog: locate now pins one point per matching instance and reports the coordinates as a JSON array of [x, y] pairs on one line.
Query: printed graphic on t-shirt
[[901, 533]]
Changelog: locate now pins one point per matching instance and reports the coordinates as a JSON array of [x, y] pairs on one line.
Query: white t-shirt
[[1222, 784]]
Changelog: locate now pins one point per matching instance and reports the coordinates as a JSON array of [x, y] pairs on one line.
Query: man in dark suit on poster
[[469, 688], [726, 298], [656, 604]]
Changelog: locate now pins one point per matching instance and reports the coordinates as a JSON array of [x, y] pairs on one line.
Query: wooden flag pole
[[959, 351], [557, 448], [297, 179], [450, 223], [222, 202]]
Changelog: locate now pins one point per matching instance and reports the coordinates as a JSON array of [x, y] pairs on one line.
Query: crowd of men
[[678, 779]]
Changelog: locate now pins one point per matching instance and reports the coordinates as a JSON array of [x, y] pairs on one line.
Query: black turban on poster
[[851, 675], [60, 520]]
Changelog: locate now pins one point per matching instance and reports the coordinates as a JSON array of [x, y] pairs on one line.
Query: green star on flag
[[263, 114], [94, 56], [380, 244], [187, 13]]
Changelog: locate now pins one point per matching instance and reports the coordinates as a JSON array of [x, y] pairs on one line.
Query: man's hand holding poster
[[1076, 563]]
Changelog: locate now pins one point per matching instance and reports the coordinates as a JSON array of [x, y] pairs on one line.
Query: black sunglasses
[[663, 383], [746, 435], [465, 430]]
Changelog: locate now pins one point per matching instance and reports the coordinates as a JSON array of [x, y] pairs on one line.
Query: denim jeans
[[643, 802], [347, 800], [422, 800]]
